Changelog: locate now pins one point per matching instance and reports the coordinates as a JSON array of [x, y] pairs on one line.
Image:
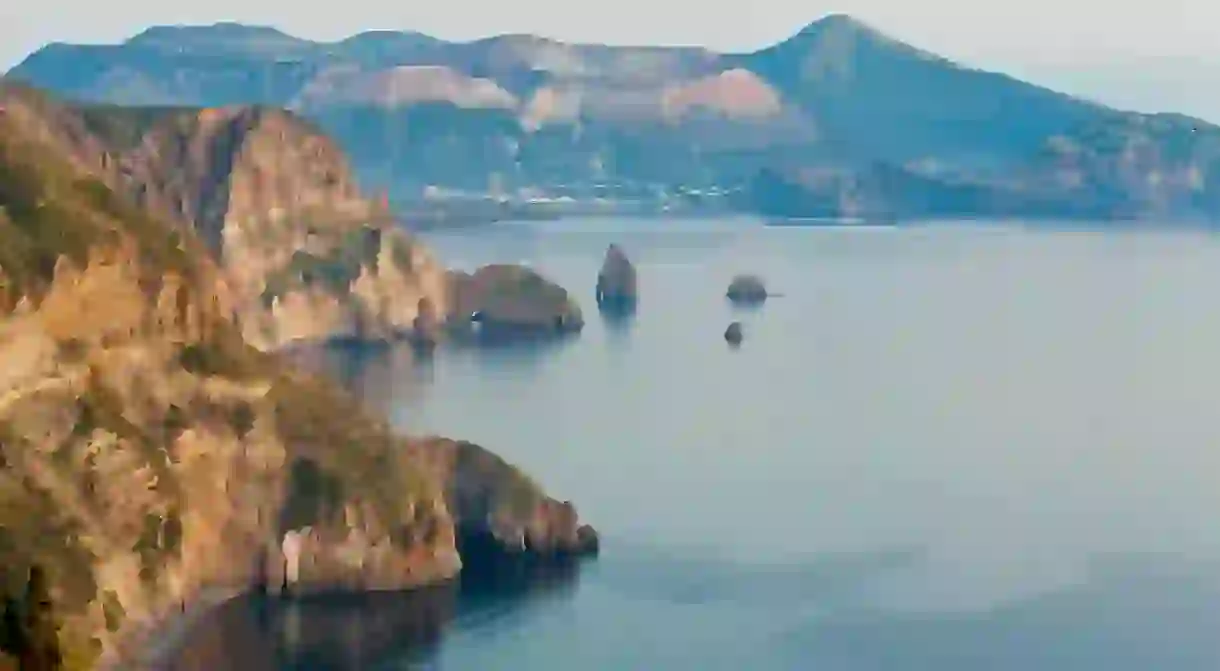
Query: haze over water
[[942, 448]]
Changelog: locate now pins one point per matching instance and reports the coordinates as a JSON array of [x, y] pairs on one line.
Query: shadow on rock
[[491, 574]]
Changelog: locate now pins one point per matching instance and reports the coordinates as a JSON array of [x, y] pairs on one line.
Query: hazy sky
[[1160, 54]]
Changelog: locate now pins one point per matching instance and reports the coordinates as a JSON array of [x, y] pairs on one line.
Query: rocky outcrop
[[309, 255], [306, 255], [504, 300], [616, 282], [488, 504], [151, 457], [747, 290]]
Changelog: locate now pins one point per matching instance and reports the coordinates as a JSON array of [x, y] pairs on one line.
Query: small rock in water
[[747, 290], [733, 334]]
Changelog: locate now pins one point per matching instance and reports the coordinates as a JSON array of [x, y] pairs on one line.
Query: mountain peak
[[842, 27], [836, 35], [225, 32], [837, 22]]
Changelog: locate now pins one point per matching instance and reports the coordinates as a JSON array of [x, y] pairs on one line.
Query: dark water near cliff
[[943, 449]]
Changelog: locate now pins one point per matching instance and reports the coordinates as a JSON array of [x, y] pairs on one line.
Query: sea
[[942, 447]]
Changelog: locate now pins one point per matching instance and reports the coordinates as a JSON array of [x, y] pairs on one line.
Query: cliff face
[[306, 255], [149, 454]]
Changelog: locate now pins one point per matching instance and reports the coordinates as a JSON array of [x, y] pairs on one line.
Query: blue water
[[943, 448]]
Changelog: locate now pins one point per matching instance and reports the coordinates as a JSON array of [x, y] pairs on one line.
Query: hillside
[[532, 116], [150, 455], [305, 253]]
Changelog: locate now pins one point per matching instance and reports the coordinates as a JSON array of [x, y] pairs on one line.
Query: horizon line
[[847, 18]]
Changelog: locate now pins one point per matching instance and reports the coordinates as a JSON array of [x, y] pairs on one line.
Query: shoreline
[[162, 637], [155, 643]]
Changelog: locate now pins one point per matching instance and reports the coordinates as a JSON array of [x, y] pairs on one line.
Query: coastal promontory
[[154, 448]]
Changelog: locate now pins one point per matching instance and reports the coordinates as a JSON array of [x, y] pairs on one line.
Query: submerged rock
[[733, 334], [616, 282], [747, 290]]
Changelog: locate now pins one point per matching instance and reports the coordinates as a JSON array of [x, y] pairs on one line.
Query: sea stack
[[616, 282]]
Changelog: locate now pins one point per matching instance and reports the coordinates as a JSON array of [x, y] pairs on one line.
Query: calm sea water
[[943, 448]]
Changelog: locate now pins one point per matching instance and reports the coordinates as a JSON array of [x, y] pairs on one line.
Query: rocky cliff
[[149, 454], [306, 255]]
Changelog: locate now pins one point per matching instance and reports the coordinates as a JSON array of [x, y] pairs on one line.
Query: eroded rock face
[[509, 300], [490, 500], [309, 254], [305, 254], [616, 282], [747, 290]]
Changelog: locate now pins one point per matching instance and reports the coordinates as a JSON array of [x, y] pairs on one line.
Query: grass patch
[[332, 430]]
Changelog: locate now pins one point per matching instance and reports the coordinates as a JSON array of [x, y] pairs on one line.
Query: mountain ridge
[[530, 115]]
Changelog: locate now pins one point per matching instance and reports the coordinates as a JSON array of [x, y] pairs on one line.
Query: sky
[[1160, 56]]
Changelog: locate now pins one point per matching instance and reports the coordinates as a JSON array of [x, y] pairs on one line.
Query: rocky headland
[[156, 452]]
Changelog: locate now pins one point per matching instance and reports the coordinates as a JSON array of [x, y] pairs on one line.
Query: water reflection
[[396, 374], [372, 371], [506, 342], [704, 577], [360, 631], [618, 319], [1132, 615], [746, 308]]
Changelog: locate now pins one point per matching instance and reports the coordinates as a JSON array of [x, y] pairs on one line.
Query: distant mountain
[[890, 101], [518, 112]]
